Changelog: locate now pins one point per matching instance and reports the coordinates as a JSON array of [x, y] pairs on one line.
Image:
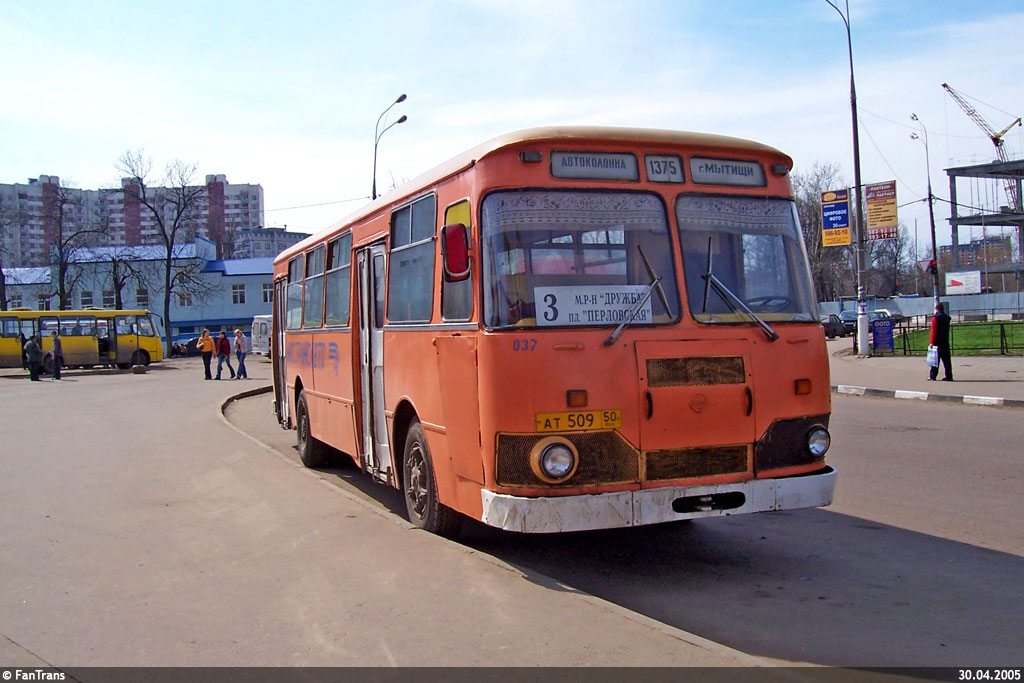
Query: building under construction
[[1011, 175], [1004, 171]]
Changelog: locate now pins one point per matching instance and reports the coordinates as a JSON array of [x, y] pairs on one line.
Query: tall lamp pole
[[931, 211], [862, 304], [377, 136]]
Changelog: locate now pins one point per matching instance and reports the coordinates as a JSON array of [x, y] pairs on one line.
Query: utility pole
[[862, 304]]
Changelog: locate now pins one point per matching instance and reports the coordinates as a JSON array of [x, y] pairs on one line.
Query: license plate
[[579, 420]]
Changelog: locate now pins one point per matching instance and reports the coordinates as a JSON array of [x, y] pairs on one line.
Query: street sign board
[[881, 334], [964, 282], [835, 218], [883, 221]]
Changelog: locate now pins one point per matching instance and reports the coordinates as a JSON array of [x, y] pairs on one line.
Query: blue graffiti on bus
[[313, 355]]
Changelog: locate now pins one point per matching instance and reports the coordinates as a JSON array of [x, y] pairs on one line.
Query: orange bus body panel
[[474, 389]]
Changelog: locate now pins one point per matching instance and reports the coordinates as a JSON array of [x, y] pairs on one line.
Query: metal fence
[[968, 337]]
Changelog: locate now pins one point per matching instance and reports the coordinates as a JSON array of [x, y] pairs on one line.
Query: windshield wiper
[[712, 282], [654, 284]]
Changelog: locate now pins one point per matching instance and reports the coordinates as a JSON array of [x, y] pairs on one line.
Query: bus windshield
[[556, 258], [752, 246]]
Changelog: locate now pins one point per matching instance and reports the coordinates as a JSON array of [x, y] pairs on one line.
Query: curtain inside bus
[[754, 248], [561, 258]]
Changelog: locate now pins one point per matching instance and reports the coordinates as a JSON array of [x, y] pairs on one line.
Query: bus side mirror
[[455, 251]]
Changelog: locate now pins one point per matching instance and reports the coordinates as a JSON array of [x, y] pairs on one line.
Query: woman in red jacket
[[224, 354], [940, 338]]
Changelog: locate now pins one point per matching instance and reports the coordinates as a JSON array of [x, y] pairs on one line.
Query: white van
[[261, 335]]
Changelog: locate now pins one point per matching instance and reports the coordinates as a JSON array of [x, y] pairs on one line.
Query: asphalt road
[[917, 563], [137, 528]]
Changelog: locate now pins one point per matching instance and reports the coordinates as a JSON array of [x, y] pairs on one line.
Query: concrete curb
[[992, 401]]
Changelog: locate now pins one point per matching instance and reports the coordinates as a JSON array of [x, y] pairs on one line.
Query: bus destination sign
[[594, 166], [726, 172], [591, 305]]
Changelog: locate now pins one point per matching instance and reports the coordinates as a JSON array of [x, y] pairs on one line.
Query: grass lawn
[[970, 339]]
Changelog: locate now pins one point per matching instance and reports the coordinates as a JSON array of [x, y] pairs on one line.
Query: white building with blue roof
[[225, 294]]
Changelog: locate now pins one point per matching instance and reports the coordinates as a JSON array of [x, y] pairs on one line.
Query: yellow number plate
[[579, 420]]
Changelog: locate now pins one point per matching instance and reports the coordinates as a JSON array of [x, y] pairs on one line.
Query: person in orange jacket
[[206, 345]]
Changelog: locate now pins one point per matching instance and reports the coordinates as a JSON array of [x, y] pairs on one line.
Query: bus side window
[[411, 264], [9, 327], [457, 297], [337, 280]]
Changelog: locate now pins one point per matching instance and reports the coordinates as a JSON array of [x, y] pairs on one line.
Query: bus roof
[[590, 133]]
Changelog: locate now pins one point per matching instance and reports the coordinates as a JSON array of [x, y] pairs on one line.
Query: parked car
[[833, 326], [886, 313], [849, 319]]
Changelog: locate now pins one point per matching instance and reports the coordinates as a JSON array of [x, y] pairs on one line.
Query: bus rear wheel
[[312, 451], [421, 503]]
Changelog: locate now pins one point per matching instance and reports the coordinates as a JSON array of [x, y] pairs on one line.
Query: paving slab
[[978, 380], [138, 529]]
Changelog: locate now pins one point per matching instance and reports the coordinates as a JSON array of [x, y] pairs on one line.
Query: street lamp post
[[862, 305], [931, 210], [377, 136]]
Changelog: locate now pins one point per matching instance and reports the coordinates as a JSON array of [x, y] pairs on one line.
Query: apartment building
[[29, 213]]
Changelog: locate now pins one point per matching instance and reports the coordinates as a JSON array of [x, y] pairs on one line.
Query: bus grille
[[699, 371], [686, 463], [605, 458]]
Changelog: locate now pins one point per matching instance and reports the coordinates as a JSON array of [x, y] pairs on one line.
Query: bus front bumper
[[653, 506]]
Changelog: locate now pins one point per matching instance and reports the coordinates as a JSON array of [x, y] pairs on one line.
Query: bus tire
[[312, 451], [420, 488], [47, 366], [140, 358]]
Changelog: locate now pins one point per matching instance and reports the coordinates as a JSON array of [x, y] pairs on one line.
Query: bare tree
[[175, 211], [67, 232], [894, 263], [8, 223], [832, 268]]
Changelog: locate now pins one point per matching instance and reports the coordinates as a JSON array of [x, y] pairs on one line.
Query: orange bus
[[566, 329]]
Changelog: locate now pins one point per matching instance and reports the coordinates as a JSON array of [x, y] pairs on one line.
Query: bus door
[[697, 416], [79, 340], [10, 343], [104, 340], [127, 339], [277, 350], [376, 448]]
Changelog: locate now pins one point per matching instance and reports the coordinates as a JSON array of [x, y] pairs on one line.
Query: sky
[[286, 95]]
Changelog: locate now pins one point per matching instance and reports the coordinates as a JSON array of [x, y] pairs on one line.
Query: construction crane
[[996, 138]]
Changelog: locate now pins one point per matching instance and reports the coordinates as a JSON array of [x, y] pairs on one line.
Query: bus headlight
[[554, 460], [818, 441]]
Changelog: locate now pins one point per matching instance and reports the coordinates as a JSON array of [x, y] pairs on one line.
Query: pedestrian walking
[[240, 348], [57, 354], [224, 354], [940, 339], [206, 345], [34, 357]]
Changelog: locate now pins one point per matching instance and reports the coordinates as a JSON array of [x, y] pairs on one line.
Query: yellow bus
[[89, 337]]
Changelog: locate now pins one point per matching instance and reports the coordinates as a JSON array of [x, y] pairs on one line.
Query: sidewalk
[[979, 380]]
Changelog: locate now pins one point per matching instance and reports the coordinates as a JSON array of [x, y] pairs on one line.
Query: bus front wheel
[[421, 503], [312, 451], [140, 358]]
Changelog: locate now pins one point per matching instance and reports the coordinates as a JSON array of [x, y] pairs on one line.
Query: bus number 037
[[524, 344]]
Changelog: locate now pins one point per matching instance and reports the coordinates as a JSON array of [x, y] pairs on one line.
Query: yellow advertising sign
[[883, 221]]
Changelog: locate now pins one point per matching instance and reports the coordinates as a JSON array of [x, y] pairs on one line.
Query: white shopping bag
[[933, 356]]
